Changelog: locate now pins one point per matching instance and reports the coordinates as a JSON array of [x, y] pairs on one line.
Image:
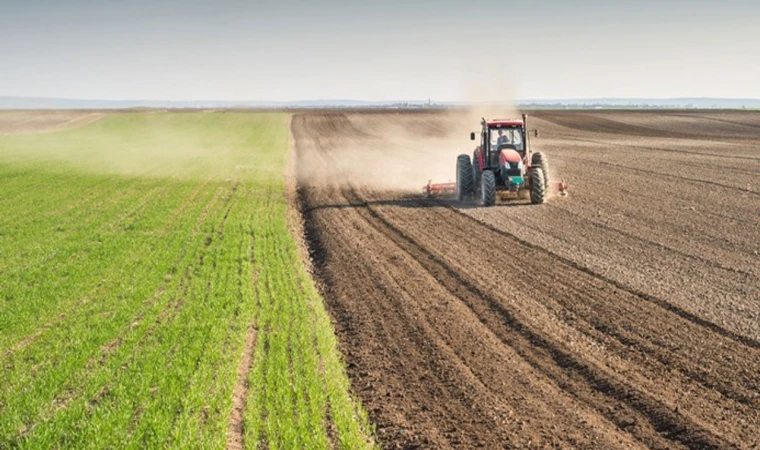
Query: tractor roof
[[498, 123]]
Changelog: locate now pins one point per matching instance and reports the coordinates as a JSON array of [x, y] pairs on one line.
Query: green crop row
[[136, 256]]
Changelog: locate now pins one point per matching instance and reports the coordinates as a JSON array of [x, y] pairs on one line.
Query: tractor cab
[[499, 137], [502, 137], [500, 140]]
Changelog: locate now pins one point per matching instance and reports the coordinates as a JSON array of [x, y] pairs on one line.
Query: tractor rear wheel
[[487, 188], [539, 160], [464, 177], [537, 186]]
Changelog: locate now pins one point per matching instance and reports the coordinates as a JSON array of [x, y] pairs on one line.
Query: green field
[[138, 255]]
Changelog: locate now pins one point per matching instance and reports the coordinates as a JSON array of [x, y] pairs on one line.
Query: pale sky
[[272, 50]]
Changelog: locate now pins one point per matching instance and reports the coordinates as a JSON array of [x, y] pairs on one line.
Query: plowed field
[[626, 315]]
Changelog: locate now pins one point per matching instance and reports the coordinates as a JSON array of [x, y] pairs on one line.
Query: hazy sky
[[379, 49]]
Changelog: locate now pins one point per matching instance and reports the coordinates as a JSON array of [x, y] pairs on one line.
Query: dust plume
[[402, 150], [398, 151], [488, 93]]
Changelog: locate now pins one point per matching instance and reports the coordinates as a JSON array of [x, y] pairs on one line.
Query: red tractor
[[502, 162]]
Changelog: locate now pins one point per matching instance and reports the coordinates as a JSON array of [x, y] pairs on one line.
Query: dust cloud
[[402, 151], [398, 151]]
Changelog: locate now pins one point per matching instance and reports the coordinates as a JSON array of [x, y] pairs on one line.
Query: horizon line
[[322, 100]]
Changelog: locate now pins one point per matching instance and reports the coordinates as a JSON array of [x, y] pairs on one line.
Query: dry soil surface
[[626, 315]]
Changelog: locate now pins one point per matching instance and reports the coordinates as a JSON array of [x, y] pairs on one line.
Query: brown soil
[[625, 315], [45, 121]]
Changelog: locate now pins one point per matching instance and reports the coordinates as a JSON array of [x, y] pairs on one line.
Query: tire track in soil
[[630, 341], [668, 175], [594, 123], [639, 148], [747, 397], [235, 430], [236, 424], [714, 119], [646, 240], [443, 356], [439, 370]]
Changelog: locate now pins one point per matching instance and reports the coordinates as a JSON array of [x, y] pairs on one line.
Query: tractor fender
[[480, 159]]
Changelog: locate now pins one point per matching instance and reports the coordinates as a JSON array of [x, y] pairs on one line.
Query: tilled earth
[[626, 315]]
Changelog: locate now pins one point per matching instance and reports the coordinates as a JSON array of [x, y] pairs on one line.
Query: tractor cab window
[[506, 138]]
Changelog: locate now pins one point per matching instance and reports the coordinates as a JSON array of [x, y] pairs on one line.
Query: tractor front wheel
[[537, 186], [464, 178], [487, 188]]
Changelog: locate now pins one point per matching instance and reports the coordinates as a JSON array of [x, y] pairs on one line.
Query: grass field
[[142, 257]]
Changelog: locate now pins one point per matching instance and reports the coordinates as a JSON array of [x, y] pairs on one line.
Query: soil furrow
[[647, 149], [561, 357], [657, 301], [461, 333]]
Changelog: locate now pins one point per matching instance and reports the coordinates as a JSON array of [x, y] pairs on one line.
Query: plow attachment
[[443, 189], [561, 187], [438, 189]]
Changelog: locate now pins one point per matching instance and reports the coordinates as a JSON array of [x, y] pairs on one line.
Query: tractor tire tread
[[540, 160], [537, 186], [488, 188], [464, 184]]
